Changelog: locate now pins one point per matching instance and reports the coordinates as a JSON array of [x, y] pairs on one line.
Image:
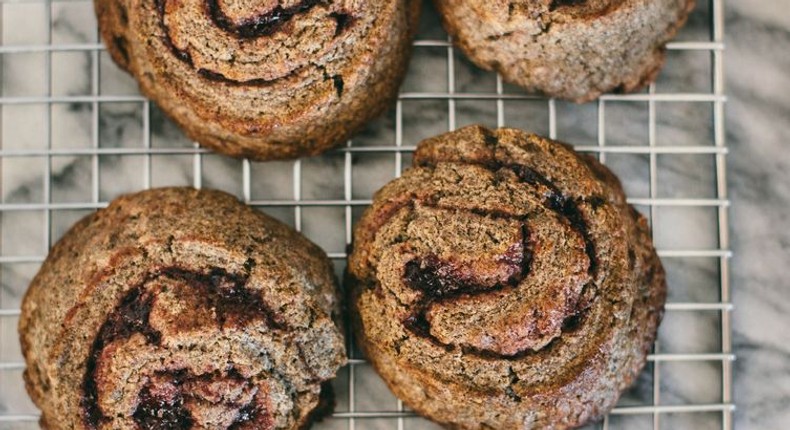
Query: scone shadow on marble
[[503, 282], [269, 81], [181, 308]]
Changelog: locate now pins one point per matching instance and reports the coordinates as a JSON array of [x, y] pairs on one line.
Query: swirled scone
[[264, 79], [503, 282], [181, 309], [571, 49]]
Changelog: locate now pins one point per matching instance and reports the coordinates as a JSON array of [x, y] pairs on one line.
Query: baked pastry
[[265, 80], [179, 308], [504, 282], [571, 49]]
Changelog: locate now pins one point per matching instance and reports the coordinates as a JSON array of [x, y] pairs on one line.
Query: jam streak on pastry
[[266, 24], [439, 281], [163, 399]]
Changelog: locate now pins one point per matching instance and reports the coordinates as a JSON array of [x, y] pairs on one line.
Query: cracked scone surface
[[504, 282], [179, 308], [571, 49], [264, 79]]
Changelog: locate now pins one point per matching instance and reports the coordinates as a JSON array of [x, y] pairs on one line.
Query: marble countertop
[[758, 133], [757, 67]]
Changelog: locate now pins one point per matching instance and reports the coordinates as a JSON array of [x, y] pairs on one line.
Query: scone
[[179, 308], [503, 282], [571, 49], [264, 79]]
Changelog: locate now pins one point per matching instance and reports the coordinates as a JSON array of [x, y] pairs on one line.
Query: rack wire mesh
[[75, 133]]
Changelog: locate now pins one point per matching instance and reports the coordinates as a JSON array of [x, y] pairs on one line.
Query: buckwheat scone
[[178, 308], [503, 282], [572, 49], [262, 79]]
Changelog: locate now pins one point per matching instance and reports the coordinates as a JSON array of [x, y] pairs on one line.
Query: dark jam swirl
[[262, 25], [276, 20], [162, 401], [440, 284]]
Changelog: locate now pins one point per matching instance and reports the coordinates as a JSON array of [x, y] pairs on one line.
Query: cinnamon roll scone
[[178, 308], [264, 79], [503, 282], [571, 49]]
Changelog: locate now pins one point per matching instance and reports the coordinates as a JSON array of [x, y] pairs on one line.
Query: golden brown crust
[[573, 50], [292, 79], [504, 282], [180, 306]]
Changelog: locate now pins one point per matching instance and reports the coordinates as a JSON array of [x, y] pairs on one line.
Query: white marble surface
[[758, 115], [757, 65]]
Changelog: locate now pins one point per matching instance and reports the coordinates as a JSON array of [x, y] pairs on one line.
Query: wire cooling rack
[[75, 134]]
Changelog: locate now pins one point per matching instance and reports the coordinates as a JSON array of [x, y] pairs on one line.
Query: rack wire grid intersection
[[359, 405]]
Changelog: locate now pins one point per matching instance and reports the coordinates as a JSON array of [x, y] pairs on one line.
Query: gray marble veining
[[757, 59], [758, 115]]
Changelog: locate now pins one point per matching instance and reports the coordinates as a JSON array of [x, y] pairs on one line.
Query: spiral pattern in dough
[[178, 308], [503, 282], [265, 79]]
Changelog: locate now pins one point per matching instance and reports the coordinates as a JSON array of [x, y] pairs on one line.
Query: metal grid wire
[[704, 317]]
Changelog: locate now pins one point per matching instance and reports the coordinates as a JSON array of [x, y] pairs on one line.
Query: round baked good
[[179, 308], [571, 49], [264, 79], [505, 283]]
